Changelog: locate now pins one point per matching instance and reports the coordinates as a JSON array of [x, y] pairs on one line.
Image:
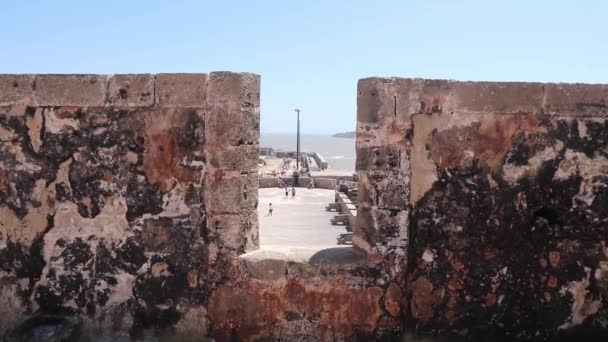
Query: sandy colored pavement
[[299, 221]]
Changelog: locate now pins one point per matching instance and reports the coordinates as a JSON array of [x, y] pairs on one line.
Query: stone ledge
[[16, 89], [131, 90], [380, 99], [233, 116], [181, 90], [70, 90], [137, 90], [276, 263]]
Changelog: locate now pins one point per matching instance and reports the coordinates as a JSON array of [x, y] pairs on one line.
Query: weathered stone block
[[16, 89], [249, 191], [383, 189], [576, 99], [227, 231], [223, 192], [181, 90], [241, 158], [446, 96], [233, 116], [126, 196], [374, 103], [380, 158], [250, 230], [328, 262], [131, 90], [266, 265], [70, 90]]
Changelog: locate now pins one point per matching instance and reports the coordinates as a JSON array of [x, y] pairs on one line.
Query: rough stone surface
[[134, 90], [70, 90], [104, 201], [128, 203], [181, 90], [497, 195], [15, 89]]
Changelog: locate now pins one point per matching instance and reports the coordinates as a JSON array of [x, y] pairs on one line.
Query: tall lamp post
[[298, 143]]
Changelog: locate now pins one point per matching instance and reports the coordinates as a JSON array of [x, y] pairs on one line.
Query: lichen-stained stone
[[108, 207], [389, 157], [181, 90], [131, 90], [16, 89], [497, 181], [11, 308], [383, 189], [242, 158], [496, 206], [70, 90], [174, 141]]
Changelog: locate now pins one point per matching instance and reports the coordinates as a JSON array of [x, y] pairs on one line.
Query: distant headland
[[350, 135]]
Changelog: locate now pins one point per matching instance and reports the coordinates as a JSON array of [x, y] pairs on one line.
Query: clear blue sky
[[311, 53]]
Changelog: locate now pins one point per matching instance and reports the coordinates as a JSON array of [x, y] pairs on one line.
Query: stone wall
[[125, 199], [495, 198], [128, 206], [128, 203]]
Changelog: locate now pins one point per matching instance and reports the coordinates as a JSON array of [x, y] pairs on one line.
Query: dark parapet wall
[[506, 189], [124, 199]]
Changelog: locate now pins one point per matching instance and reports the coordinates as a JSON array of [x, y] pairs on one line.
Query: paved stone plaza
[[299, 221]]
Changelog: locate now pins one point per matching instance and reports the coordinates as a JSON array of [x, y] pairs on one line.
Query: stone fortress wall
[[129, 202], [125, 199], [502, 191]]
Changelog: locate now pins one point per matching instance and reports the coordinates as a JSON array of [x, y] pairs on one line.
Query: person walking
[[270, 209]]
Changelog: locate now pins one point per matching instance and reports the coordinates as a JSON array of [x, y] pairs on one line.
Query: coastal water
[[339, 152]]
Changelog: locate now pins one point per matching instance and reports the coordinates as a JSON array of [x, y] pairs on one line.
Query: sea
[[338, 152]]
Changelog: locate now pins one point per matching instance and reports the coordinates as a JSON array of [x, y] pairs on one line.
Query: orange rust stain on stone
[[457, 265], [393, 300], [253, 309], [232, 308], [271, 309], [346, 308], [554, 258], [489, 140], [423, 299], [162, 160], [455, 284]]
